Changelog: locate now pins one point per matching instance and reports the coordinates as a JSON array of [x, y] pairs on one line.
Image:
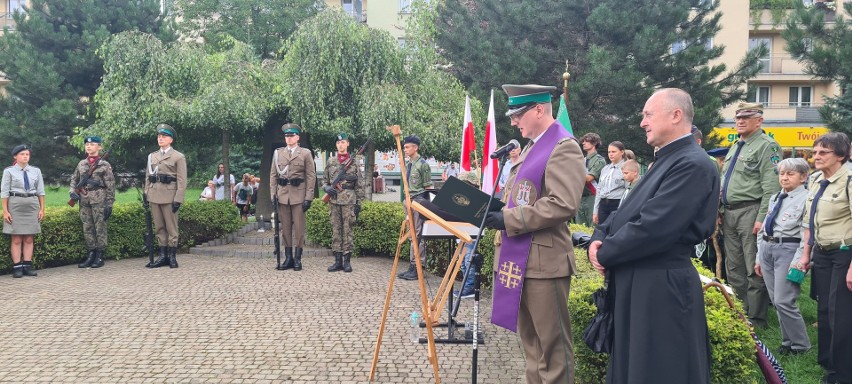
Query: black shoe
[[90, 258], [18, 271], [297, 264], [347, 257], [28, 269], [410, 274], [173, 257], [163, 260], [288, 260], [98, 260], [338, 263]]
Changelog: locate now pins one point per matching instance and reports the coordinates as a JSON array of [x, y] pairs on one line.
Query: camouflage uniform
[[343, 205], [99, 194]]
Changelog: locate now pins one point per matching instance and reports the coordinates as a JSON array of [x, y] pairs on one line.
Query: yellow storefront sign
[[785, 136]]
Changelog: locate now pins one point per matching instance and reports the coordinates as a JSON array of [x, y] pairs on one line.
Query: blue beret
[[93, 139], [718, 152], [20, 148]]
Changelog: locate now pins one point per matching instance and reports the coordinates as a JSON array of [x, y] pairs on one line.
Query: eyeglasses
[[517, 116], [822, 153]]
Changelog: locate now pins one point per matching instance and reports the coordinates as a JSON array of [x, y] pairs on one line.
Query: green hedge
[[61, 239]]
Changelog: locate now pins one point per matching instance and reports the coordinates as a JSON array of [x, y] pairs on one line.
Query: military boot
[[410, 274], [163, 260], [288, 259], [28, 268], [18, 271], [346, 258], [99, 259], [173, 257], [338, 263], [90, 258], [297, 265]]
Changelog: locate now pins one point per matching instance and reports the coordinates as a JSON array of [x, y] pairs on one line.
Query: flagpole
[[565, 76]]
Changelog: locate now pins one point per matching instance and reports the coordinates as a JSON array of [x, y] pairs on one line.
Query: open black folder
[[465, 201]]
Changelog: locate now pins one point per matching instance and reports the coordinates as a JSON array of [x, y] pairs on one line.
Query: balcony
[[782, 68], [807, 113], [766, 20], [6, 20]]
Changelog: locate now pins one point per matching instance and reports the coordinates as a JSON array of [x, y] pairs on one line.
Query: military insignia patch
[[775, 159]]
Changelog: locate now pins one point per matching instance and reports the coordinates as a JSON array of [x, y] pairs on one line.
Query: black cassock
[[661, 331]]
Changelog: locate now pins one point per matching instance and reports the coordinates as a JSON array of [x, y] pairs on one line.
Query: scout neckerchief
[[515, 250]]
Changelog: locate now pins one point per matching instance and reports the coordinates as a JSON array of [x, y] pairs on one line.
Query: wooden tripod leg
[[424, 298], [446, 284], [403, 233]]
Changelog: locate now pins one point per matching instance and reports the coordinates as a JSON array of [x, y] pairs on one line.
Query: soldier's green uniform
[[419, 175], [345, 207], [747, 187], [594, 164], [96, 200]]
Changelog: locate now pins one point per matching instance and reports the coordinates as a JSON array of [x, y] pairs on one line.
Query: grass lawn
[[798, 368], [58, 197]]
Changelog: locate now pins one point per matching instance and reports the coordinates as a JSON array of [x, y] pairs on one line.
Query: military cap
[[749, 110], [527, 95], [342, 136], [291, 129], [470, 177], [718, 152], [93, 139], [19, 149], [413, 139], [165, 129]]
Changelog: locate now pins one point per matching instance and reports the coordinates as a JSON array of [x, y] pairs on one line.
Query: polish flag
[[468, 139], [490, 166]]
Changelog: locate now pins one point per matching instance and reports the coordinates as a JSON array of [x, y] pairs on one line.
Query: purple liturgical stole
[[515, 250]]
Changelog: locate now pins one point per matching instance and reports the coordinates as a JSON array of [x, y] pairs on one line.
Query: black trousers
[[834, 313], [605, 207]]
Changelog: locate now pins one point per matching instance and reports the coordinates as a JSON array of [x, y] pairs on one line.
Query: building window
[[14, 5], [680, 45], [404, 6], [758, 94], [755, 43], [401, 42], [354, 8], [800, 96]]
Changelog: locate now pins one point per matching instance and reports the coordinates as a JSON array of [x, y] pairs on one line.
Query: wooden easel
[[431, 311]]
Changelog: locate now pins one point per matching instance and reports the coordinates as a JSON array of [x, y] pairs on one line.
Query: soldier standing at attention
[[419, 176], [22, 194], [96, 201], [345, 204], [749, 180], [292, 178], [165, 185]]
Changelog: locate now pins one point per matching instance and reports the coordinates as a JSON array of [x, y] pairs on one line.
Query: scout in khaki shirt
[[748, 182], [165, 186]]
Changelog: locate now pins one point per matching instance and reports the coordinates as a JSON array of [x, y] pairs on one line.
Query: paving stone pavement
[[230, 319]]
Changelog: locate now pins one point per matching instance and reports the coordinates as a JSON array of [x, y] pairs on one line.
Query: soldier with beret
[[96, 198], [419, 175], [22, 193], [346, 199], [749, 179], [292, 178], [165, 185]]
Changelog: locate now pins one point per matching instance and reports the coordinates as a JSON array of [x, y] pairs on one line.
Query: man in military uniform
[[165, 185], [96, 198], [749, 180], [292, 178], [594, 164], [419, 176], [346, 199]]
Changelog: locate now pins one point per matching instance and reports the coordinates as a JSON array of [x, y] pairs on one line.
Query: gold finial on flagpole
[[566, 76]]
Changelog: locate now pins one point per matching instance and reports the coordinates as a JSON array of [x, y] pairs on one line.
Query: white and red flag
[[490, 166], [468, 138]]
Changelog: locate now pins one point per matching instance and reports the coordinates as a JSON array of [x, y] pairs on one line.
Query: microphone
[[502, 151]]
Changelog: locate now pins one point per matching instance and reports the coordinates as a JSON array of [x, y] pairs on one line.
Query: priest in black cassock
[[661, 333]]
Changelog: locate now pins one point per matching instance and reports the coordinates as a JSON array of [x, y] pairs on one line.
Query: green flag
[[562, 116]]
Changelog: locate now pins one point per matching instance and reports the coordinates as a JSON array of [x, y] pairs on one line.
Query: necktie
[[26, 181], [770, 219], [730, 171], [822, 185]]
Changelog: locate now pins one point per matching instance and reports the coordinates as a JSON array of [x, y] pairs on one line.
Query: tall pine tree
[[54, 71]]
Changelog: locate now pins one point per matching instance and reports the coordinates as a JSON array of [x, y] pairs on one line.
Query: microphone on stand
[[502, 151]]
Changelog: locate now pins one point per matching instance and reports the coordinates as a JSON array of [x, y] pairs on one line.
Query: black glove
[[495, 220], [331, 191], [306, 205], [175, 207], [107, 212], [145, 202], [357, 211], [74, 196]]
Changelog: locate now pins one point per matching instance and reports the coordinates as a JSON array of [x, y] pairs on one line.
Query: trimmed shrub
[[61, 239]]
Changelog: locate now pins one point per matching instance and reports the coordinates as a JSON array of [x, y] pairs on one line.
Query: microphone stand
[[475, 265]]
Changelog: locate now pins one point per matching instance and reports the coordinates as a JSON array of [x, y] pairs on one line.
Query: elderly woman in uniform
[[22, 191], [828, 237], [778, 248]]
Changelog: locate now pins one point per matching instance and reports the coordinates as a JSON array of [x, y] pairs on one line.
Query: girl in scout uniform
[[22, 192]]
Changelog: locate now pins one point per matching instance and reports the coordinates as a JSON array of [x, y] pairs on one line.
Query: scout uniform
[[594, 165], [749, 180], [96, 199], [345, 207], [23, 188], [419, 175], [165, 185], [292, 178]]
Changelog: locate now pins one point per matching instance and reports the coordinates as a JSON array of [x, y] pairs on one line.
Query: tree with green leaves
[[616, 57], [263, 24], [826, 51], [50, 59]]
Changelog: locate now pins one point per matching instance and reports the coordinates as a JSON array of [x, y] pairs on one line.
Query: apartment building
[[790, 97], [386, 15]]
